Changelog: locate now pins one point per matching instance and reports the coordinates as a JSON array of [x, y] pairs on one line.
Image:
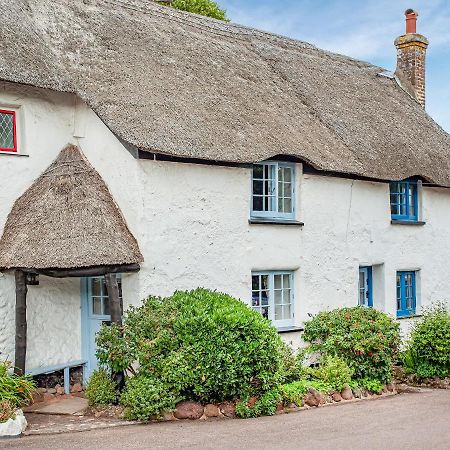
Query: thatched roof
[[67, 219], [188, 86]]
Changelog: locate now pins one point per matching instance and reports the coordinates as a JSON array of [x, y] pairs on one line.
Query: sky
[[361, 29]]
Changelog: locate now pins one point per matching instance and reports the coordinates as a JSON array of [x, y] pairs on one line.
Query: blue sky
[[362, 29]]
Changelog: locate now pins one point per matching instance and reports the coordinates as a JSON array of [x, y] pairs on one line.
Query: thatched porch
[[66, 224]]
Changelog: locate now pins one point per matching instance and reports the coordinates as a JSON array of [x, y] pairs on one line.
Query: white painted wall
[[191, 222]]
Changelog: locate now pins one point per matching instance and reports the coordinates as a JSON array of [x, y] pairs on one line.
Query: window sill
[[408, 222], [263, 221], [289, 329], [13, 154], [412, 316]]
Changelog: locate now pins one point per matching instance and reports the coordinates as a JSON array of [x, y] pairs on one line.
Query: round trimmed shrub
[[145, 397], [101, 389], [366, 339], [204, 345], [333, 371], [429, 344]]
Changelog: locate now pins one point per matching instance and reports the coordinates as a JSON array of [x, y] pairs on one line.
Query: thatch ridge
[[67, 219], [187, 86]]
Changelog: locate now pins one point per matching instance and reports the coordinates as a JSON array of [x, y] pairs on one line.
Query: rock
[[312, 398], [347, 394], [188, 410], [336, 396], [51, 391], [291, 408], [42, 390], [76, 388], [60, 390], [228, 409], [211, 410], [48, 396], [358, 393], [280, 409], [14, 427], [168, 416], [37, 397], [252, 401]]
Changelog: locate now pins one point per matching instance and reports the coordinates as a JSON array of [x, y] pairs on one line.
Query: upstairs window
[[273, 297], [273, 190], [8, 137], [406, 294], [404, 200]]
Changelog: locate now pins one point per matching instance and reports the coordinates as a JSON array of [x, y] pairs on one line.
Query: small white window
[[273, 296], [273, 190]]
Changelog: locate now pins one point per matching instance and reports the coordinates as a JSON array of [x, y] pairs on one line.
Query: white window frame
[[275, 214], [271, 304]]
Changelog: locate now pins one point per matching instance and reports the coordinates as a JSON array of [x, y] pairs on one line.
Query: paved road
[[407, 421]]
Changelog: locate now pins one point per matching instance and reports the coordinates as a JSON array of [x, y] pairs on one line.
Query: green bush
[[370, 385], [145, 397], [294, 392], [206, 346], [264, 406], [428, 348], [203, 7], [333, 371], [293, 368], [16, 390], [101, 389], [366, 339]]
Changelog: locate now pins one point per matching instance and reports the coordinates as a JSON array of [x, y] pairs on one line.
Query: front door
[[95, 313], [365, 287]]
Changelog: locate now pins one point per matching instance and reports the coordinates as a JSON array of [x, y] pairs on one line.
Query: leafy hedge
[[15, 391], [205, 346], [428, 350], [366, 339], [101, 389]]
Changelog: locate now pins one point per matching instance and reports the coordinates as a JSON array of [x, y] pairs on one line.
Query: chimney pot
[[411, 21]]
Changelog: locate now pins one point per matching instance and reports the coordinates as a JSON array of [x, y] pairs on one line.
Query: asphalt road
[[406, 421]]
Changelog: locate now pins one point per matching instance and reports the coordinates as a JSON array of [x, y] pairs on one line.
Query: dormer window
[[273, 190], [404, 200], [8, 135]]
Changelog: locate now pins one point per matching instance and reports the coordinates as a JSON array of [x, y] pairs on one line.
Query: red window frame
[[14, 149]]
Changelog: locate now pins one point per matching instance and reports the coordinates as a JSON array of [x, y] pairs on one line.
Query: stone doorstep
[[60, 406]]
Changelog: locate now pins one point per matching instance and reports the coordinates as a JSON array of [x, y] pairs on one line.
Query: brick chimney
[[411, 51]]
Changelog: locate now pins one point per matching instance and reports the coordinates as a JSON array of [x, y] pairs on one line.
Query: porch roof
[[68, 220]]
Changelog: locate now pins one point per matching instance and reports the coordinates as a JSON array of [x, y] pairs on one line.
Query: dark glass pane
[[258, 187], [258, 204], [257, 171]]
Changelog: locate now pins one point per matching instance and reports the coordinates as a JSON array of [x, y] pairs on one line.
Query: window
[[98, 295], [404, 200], [406, 294], [8, 136], [365, 287], [273, 190], [273, 297]]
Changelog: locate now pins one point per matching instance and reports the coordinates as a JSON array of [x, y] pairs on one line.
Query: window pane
[[258, 187], [106, 306], [255, 282], [286, 312], [287, 174], [96, 284], [278, 297], [278, 312], [97, 306], [258, 171], [265, 312], [286, 281], [258, 204], [277, 281], [6, 131]]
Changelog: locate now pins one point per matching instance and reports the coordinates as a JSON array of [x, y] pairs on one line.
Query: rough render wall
[[191, 222]]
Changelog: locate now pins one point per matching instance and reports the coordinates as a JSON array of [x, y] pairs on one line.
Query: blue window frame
[[365, 294], [404, 200], [406, 294], [273, 296], [273, 190]]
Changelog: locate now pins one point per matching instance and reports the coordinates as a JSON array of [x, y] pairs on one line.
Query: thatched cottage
[[144, 150]]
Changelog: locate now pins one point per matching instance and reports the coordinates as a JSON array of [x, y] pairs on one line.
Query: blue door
[[95, 313], [365, 287]]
